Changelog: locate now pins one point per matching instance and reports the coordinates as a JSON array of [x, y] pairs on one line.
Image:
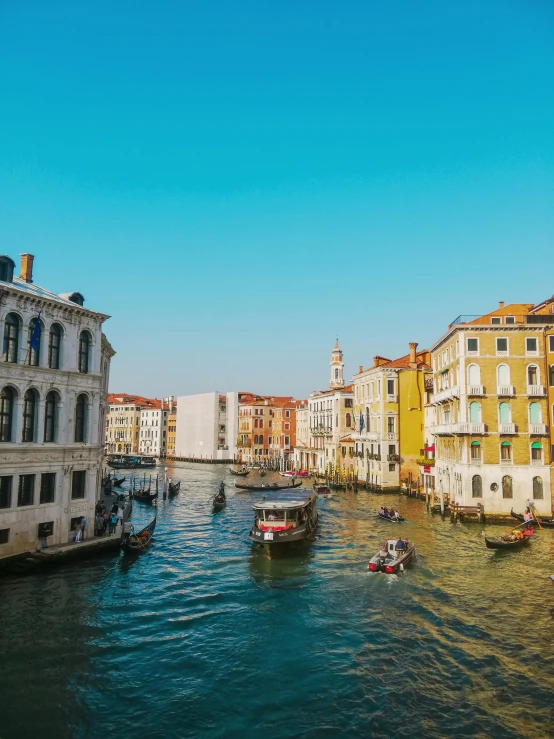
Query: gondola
[[548, 523], [501, 543], [392, 519], [219, 502], [267, 487], [173, 488], [137, 543], [120, 480], [239, 473], [262, 473], [145, 497]]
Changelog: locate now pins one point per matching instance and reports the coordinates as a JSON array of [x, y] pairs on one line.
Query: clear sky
[[237, 183]]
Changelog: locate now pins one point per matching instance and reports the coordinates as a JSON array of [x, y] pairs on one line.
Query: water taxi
[[284, 518], [392, 556]]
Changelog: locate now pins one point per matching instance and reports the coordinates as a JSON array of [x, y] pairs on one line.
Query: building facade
[[257, 440], [389, 419], [206, 426], [171, 430], [493, 404], [53, 389]]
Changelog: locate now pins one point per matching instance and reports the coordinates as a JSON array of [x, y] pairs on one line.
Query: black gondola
[[502, 543], [119, 481], [392, 519], [219, 502], [239, 473], [548, 523], [144, 497], [137, 543], [267, 487], [173, 488]]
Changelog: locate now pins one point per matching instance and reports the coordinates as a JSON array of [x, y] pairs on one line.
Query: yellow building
[[171, 429], [492, 397], [389, 415]]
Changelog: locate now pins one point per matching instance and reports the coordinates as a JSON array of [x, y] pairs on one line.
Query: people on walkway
[[112, 525], [98, 524], [83, 527], [77, 536], [105, 517], [120, 516]]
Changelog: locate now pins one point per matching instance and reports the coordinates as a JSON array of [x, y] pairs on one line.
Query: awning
[[429, 448]]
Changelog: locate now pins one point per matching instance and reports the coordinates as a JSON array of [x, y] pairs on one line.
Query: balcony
[[470, 428], [391, 398], [442, 429], [536, 390], [476, 460], [448, 394], [507, 428], [538, 429], [390, 435], [536, 462], [505, 390], [476, 390]]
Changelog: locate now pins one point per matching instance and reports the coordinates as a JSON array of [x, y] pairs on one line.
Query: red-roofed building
[[267, 429], [123, 422]]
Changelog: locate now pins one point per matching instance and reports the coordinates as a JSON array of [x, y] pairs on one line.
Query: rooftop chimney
[[26, 271], [361, 369], [413, 347], [501, 304]]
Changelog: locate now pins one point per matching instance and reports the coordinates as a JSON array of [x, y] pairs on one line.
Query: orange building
[[267, 428]]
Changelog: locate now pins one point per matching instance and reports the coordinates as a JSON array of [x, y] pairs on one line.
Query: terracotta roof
[[128, 399], [404, 362], [273, 401], [332, 391]]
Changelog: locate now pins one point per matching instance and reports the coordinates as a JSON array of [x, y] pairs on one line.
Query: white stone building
[[153, 427], [53, 389], [207, 426]]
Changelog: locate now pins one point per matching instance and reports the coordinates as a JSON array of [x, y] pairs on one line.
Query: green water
[[201, 637]]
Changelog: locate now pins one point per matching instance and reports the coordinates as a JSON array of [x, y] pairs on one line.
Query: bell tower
[[337, 367]]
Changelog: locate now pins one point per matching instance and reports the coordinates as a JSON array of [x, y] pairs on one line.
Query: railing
[[506, 428], [476, 460], [390, 435], [536, 462], [538, 429], [425, 462], [536, 390], [450, 392], [505, 390], [391, 398], [393, 458], [470, 428], [476, 390]]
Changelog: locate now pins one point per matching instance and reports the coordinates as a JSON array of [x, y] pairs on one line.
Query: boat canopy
[[286, 499]]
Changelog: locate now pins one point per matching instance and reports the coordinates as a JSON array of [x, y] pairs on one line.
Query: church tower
[[337, 368]]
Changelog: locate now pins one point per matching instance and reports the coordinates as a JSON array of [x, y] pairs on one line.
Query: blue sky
[[237, 183]]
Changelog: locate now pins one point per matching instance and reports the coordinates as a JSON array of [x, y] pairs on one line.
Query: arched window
[[84, 351], [505, 452], [475, 412], [348, 420], [477, 486], [503, 374], [551, 375], [33, 342], [532, 374], [51, 417], [54, 346], [80, 418], [11, 338], [473, 375], [504, 414], [536, 453], [7, 398], [29, 415], [507, 489], [475, 451], [534, 413], [537, 488]]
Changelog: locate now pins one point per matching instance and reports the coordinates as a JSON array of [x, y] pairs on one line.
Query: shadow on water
[[203, 637]]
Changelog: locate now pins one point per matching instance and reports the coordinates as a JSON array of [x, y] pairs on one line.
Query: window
[[390, 387], [390, 424], [473, 375], [4, 536], [507, 489], [503, 374], [531, 346], [502, 347], [475, 412], [6, 492], [33, 354], [48, 487], [476, 486], [509, 319], [537, 488], [80, 418], [475, 451], [505, 452], [532, 374], [348, 420], [26, 492], [496, 320], [534, 413], [84, 351], [348, 403], [54, 346], [11, 338], [287, 440], [78, 484], [551, 343], [392, 467], [287, 426], [551, 375], [45, 529], [287, 414], [504, 414], [536, 453], [6, 413], [29, 414], [473, 346]]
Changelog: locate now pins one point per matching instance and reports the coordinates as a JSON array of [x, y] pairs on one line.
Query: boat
[[391, 560], [548, 523], [146, 461], [137, 543], [294, 474], [144, 497], [117, 482], [392, 519], [323, 491], [219, 501], [173, 488], [267, 486], [239, 473], [283, 519], [262, 473], [123, 461], [505, 542]]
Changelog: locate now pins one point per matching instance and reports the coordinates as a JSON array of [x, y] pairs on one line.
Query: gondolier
[[126, 532]]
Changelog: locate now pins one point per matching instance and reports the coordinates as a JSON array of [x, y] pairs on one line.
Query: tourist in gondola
[[528, 516]]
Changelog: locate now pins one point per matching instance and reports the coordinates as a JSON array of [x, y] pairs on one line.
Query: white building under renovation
[[207, 426]]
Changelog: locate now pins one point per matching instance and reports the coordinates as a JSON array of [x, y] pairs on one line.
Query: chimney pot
[[26, 271], [501, 304], [413, 347], [361, 369]]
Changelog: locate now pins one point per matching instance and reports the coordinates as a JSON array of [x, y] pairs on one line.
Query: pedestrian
[[105, 519], [98, 524], [77, 536], [113, 523], [83, 527], [120, 516]]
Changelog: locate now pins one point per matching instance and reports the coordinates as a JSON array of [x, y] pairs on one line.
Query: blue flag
[[35, 336], [361, 421]]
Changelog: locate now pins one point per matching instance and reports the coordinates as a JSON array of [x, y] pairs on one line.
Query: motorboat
[[239, 473], [388, 517], [323, 491], [123, 461], [393, 556], [294, 474], [147, 461], [283, 519]]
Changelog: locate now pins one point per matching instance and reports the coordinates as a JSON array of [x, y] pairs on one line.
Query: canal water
[[201, 637]]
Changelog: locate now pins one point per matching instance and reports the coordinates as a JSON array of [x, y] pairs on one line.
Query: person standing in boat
[[127, 531], [222, 489], [400, 547], [527, 516]]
